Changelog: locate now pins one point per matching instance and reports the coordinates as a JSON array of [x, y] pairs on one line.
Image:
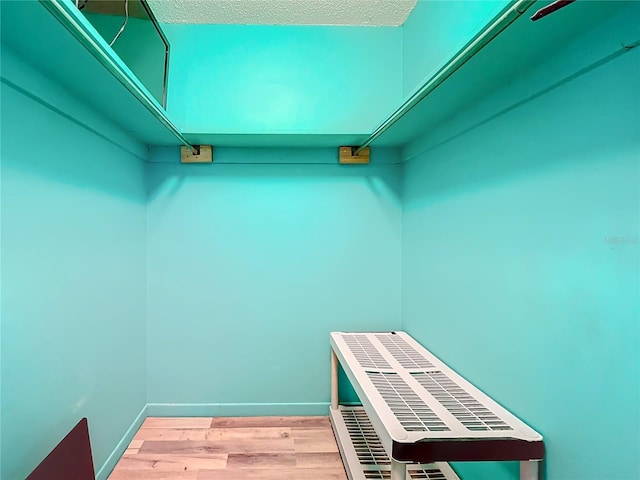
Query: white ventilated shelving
[[365, 457], [422, 411]]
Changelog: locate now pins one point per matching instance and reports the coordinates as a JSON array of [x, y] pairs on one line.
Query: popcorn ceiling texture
[[284, 12]]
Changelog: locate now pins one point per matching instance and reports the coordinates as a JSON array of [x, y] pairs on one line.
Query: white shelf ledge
[[425, 412]]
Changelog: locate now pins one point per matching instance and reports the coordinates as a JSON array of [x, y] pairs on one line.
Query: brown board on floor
[[70, 459]]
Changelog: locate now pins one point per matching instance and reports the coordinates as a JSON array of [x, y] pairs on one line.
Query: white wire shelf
[[365, 458]]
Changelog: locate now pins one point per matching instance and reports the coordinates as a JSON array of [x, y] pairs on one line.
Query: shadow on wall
[[536, 135], [65, 152], [269, 166]]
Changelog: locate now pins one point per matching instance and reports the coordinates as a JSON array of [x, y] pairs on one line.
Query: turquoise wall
[[251, 266], [267, 79], [513, 235], [435, 31], [521, 230], [73, 274]]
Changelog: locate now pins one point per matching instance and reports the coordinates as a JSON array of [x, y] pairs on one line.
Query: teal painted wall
[[435, 31], [73, 275], [251, 266], [267, 79], [1, 301], [518, 258], [521, 253]]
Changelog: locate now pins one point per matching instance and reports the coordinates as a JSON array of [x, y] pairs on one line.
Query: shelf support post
[[334, 380], [529, 470], [398, 470]]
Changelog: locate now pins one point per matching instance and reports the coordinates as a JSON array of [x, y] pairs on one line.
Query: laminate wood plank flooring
[[232, 448]]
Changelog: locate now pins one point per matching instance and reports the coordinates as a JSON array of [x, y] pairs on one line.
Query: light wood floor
[[224, 448]]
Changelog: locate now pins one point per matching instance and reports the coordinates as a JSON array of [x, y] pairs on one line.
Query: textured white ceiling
[[284, 12]]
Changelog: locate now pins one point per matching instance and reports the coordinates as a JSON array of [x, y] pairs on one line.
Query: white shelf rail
[[67, 14]]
